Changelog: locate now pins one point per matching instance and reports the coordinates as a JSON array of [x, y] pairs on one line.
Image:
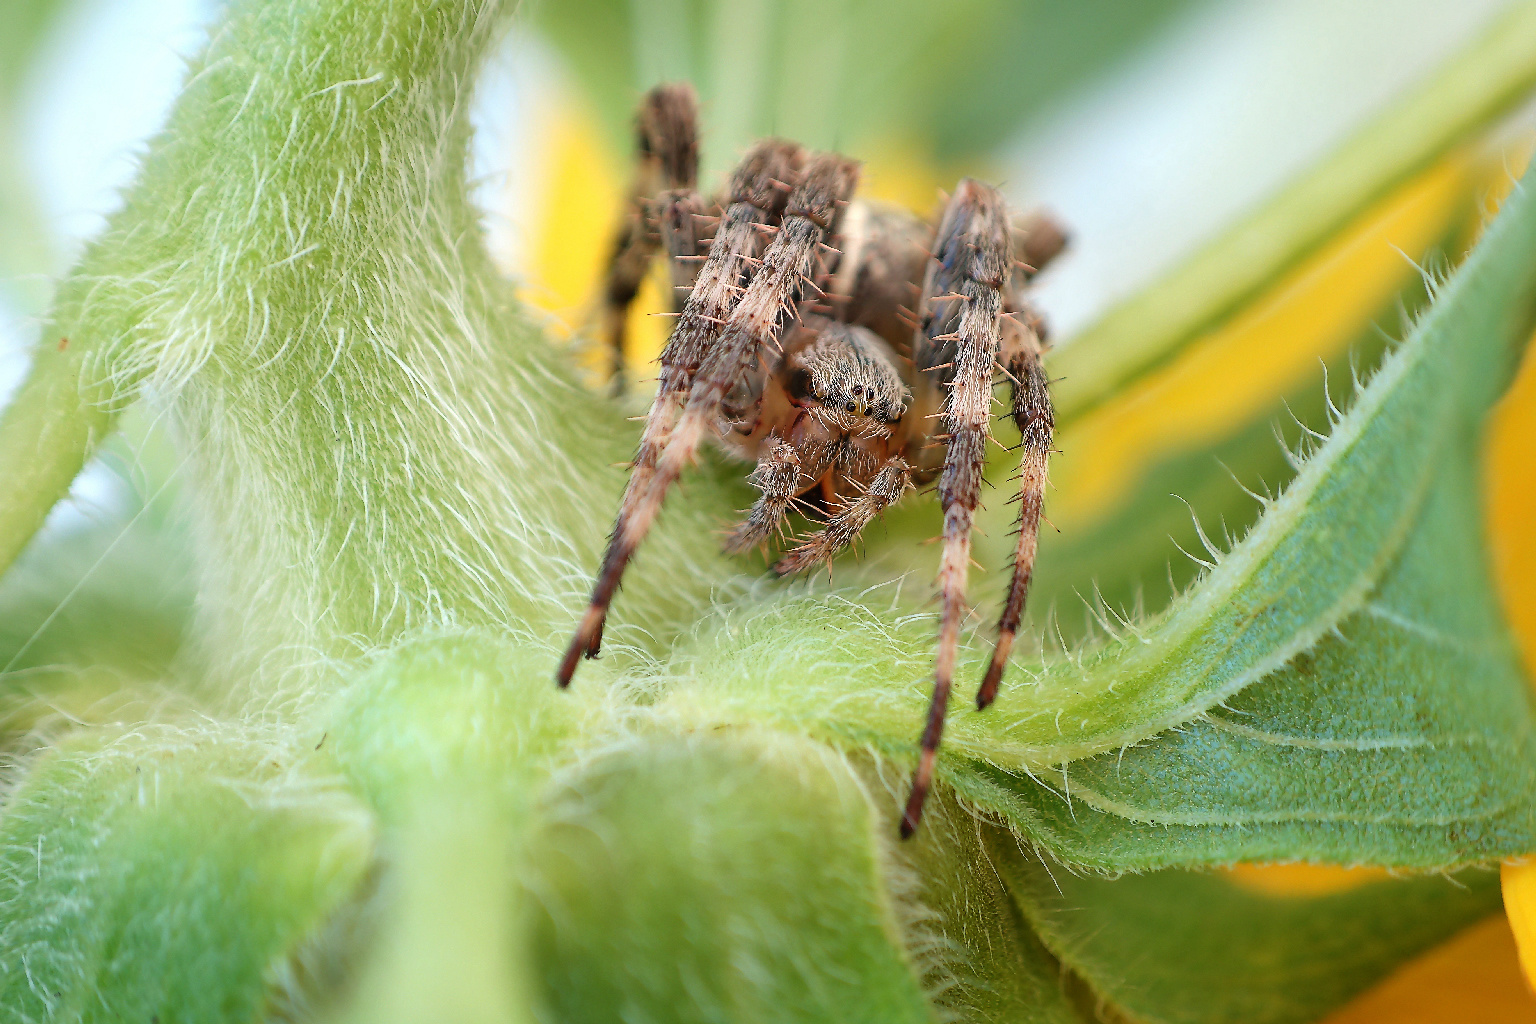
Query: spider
[[846, 347]]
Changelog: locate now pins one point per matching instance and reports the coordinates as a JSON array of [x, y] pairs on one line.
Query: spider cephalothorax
[[847, 348]]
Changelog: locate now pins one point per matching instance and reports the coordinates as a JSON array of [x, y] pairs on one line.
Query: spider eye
[[853, 407]]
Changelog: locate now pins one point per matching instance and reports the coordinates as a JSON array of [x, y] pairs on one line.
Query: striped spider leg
[[755, 200], [1023, 342], [722, 353], [1037, 240], [663, 208], [955, 348]]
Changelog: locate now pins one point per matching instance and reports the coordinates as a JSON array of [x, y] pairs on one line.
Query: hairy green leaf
[[986, 961], [750, 864], [1183, 947], [166, 872], [369, 375]]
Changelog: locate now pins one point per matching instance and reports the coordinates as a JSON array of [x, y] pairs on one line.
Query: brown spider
[[825, 338]]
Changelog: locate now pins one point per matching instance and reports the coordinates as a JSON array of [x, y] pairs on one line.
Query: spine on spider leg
[[757, 198], [962, 304], [1036, 420]]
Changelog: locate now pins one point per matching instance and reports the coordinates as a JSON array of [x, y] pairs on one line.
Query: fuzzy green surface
[[1256, 958], [752, 861], [354, 794], [167, 873], [299, 274]]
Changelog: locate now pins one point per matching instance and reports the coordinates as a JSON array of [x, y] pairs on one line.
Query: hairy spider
[[847, 347]]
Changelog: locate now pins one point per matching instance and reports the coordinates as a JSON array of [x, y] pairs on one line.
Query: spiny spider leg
[[1037, 240], [759, 320], [756, 200], [758, 192], [766, 308], [887, 487], [679, 213], [760, 316], [667, 158], [778, 476], [1032, 412], [956, 347]]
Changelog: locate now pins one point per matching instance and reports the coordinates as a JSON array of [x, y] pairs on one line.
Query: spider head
[[848, 376]]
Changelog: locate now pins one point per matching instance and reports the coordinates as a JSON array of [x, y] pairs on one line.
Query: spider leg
[[667, 157], [1036, 420], [678, 213], [778, 476], [756, 200], [884, 490], [765, 310], [1037, 240], [633, 248], [760, 315], [767, 307], [955, 347]]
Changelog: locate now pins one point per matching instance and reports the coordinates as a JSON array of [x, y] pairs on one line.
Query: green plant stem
[[46, 433]]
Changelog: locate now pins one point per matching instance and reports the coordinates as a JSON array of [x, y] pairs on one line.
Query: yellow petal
[[1472, 979], [1520, 904], [1264, 350], [1510, 497], [1302, 879]]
